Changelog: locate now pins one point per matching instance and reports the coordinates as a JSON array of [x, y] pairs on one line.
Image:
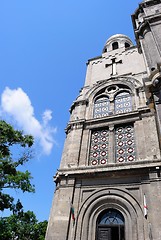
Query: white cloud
[[16, 104], [47, 116]]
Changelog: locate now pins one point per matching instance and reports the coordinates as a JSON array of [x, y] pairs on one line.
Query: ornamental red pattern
[[99, 147], [125, 144]]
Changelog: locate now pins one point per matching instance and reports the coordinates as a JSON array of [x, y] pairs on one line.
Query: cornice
[[108, 120], [118, 119], [78, 103], [108, 169]]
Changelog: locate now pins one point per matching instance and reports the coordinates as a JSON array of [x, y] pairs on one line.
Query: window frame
[[112, 148]]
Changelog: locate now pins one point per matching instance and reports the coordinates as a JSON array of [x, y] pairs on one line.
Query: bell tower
[[147, 28], [108, 186], [146, 22]]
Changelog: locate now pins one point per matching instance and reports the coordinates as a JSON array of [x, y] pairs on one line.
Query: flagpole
[[72, 218], [146, 216]]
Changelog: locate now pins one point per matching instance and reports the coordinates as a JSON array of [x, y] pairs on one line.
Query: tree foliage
[[22, 226], [10, 175]]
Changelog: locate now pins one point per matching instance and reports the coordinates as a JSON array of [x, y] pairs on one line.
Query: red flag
[[72, 212], [145, 207]]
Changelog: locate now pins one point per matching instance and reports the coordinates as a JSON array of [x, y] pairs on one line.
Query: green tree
[[10, 175], [22, 226]]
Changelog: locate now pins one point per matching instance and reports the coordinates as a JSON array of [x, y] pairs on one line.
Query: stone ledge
[[110, 167]]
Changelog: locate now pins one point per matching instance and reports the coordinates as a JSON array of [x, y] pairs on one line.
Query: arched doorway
[[110, 225]]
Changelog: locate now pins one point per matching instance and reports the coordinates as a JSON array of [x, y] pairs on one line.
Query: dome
[[117, 41], [118, 36]]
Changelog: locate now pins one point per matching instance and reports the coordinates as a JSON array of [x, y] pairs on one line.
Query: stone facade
[[111, 164]]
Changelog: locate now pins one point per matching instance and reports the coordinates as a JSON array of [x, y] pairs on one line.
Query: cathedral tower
[[108, 186], [147, 28]]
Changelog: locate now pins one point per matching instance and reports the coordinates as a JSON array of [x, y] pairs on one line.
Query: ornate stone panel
[[125, 144], [99, 147]]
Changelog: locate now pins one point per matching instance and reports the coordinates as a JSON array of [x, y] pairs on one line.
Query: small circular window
[[112, 89]]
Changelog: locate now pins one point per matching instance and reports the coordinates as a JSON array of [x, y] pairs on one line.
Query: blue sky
[[44, 47]]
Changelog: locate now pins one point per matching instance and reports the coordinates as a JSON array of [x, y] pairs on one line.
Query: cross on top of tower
[[114, 65]]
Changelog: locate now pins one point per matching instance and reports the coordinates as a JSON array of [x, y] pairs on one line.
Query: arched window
[[101, 107], [123, 102], [105, 50], [115, 45], [110, 225], [127, 45]]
